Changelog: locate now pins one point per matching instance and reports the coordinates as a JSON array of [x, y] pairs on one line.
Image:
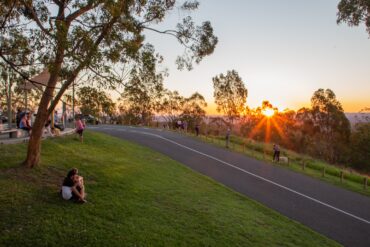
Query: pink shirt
[[79, 125]]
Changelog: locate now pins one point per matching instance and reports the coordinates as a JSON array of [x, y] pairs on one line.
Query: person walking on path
[[228, 132], [197, 129], [276, 150]]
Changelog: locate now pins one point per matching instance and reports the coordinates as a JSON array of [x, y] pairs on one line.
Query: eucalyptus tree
[[69, 36], [354, 12], [143, 91], [94, 102], [360, 139], [230, 94], [325, 128], [193, 109], [171, 106]]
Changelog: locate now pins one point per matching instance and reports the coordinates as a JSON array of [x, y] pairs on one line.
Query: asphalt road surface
[[334, 212]]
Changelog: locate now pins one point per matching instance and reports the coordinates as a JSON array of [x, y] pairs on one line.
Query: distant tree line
[[322, 131]]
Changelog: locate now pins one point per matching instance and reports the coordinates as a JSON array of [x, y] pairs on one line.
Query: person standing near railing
[[228, 132], [276, 150]]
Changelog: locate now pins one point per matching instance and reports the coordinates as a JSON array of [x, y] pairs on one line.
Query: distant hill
[[355, 117]]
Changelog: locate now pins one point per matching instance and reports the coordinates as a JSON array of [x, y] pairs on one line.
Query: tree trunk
[[34, 144]]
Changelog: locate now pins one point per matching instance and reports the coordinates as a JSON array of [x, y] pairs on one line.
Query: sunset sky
[[283, 50]]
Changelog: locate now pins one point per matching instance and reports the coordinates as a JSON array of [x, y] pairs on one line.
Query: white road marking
[[256, 176]]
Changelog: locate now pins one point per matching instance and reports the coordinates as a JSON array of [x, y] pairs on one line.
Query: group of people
[[23, 121], [182, 125]]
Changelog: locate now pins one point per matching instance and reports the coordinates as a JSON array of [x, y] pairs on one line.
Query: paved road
[[337, 213]]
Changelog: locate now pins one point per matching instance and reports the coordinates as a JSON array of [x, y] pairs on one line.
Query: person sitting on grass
[[80, 126], [73, 187]]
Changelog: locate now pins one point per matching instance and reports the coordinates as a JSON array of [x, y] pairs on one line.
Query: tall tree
[[360, 148], [354, 12], [230, 94], [94, 102], [171, 105], [193, 109], [71, 36], [331, 125], [143, 91]]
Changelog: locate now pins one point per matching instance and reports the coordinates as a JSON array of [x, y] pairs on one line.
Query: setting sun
[[268, 112]]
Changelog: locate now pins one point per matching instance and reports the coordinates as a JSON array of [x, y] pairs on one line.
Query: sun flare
[[268, 112]]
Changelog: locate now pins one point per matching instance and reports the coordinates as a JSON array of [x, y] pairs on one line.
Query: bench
[[14, 133]]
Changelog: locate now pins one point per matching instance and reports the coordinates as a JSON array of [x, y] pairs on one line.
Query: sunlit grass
[[137, 197]]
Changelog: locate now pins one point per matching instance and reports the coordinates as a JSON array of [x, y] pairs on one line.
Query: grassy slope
[[136, 198]]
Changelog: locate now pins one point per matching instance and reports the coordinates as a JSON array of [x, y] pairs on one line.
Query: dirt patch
[[47, 176]]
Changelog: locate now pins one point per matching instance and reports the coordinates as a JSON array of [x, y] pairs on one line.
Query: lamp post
[[9, 89], [73, 100]]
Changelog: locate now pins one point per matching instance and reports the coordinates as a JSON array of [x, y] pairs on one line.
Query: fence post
[[365, 183], [341, 176], [323, 171], [303, 165]]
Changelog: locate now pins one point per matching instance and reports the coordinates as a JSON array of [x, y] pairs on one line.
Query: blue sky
[[284, 50]]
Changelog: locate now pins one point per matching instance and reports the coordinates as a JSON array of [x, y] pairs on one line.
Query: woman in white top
[[73, 187]]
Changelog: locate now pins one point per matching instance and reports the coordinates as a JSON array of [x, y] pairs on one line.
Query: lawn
[[136, 197]]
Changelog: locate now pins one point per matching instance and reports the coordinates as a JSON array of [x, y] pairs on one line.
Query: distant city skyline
[[283, 50]]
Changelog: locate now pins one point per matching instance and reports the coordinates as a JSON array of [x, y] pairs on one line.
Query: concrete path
[[332, 211]]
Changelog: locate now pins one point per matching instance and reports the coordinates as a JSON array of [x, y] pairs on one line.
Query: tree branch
[[7, 15], [15, 69], [83, 64], [35, 17], [80, 12]]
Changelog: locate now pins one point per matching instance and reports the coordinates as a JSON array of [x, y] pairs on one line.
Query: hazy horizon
[[283, 50]]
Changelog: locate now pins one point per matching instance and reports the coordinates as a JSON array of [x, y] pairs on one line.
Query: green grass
[[352, 181], [136, 197]]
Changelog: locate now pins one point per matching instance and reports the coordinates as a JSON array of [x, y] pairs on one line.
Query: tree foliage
[[230, 94], [171, 106], [327, 127], [18, 94], [94, 102], [321, 130], [360, 146], [142, 93], [71, 36], [354, 12], [193, 110]]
